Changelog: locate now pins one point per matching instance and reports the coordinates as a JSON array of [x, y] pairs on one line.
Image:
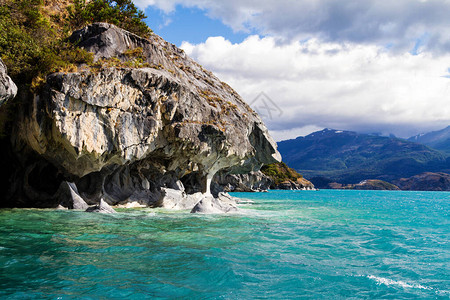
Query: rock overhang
[[168, 119]]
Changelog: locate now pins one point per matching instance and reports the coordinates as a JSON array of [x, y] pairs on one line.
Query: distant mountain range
[[439, 140], [348, 157]]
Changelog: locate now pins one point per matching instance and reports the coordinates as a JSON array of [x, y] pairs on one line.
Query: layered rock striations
[[250, 182], [299, 184], [256, 182], [8, 89], [153, 129]]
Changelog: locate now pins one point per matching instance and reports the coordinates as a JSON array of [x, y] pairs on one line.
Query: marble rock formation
[[8, 89], [153, 129]]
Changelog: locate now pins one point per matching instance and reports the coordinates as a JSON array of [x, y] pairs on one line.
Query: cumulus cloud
[[403, 24], [337, 85], [372, 65]]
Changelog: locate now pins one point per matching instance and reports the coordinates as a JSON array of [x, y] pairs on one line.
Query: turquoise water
[[287, 244]]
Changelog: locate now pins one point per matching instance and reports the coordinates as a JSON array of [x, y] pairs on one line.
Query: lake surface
[[326, 244]]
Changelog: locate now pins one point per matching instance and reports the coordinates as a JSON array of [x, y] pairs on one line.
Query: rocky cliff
[[298, 184], [144, 124], [250, 182], [257, 182]]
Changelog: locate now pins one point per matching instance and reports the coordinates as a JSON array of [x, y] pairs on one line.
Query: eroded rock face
[[127, 134], [8, 89], [250, 182], [102, 207], [69, 197], [255, 182]]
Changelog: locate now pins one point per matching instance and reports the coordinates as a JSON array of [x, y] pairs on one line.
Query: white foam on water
[[389, 282], [256, 213]]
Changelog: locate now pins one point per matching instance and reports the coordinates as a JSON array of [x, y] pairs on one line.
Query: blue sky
[[366, 66], [189, 24]]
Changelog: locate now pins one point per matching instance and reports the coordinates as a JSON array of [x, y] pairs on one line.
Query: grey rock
[[102, 207], [198, 202], [211, 205], [8, 89], [106, 40], [178, 200], [173, 199], [254, 182], [195, 198], [69, 197], [250, 182], [178, 185], [226, 198], [301, 184], [126, 134]]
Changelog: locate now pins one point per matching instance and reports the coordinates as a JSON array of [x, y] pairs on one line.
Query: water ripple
[[326, 244]]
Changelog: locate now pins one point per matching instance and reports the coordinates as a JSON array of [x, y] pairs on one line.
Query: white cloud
[[281, 135], [400, 23], [352, 71], [167, 6], [343, 86]]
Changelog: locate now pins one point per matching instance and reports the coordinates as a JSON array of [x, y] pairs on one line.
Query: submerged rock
[[134, 134]]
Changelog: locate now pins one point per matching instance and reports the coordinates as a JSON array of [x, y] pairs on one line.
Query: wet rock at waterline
[[250, 182], [68, 197], [211, 205], [102, 207]]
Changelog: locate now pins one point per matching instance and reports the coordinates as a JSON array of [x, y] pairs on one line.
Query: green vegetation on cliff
[[33, 33], [280, 172], [122, 13]]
